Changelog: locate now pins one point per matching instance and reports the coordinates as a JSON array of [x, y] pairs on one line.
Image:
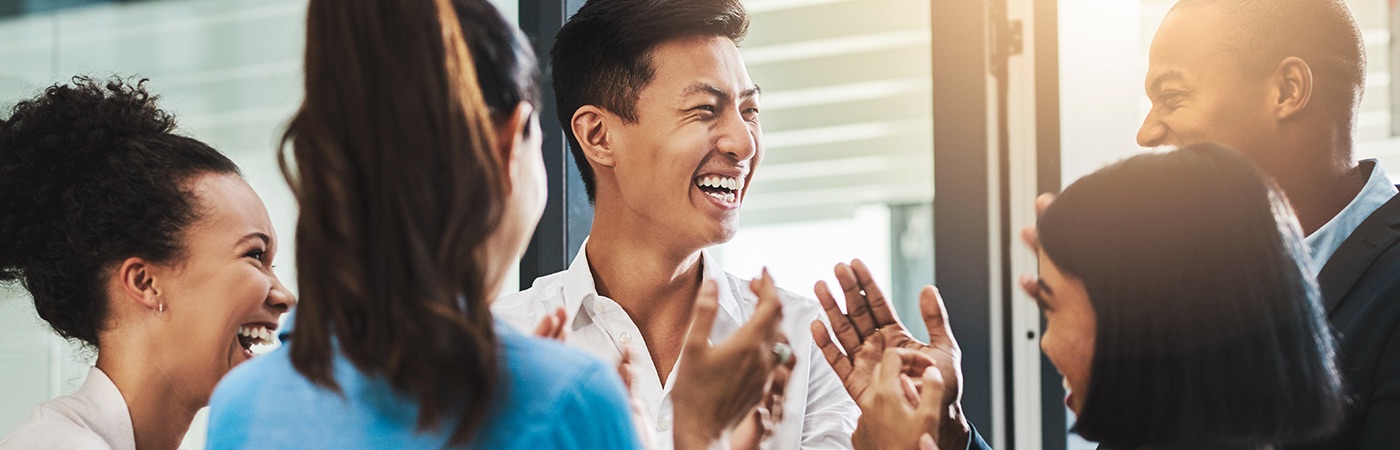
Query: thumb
[[935, 316], [702, 318]]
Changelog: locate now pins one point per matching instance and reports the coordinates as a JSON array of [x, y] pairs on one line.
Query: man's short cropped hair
[[1321, 32], [601, 56]]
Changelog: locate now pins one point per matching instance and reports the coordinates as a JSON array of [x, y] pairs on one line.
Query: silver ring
[[783, 352]]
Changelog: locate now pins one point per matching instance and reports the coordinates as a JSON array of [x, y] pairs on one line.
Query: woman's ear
[[515, 130], [138, 283], [590, 126]]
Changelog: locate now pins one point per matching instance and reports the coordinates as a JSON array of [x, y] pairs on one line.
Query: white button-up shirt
[[818, 413]]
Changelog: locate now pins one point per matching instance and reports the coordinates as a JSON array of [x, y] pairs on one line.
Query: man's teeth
[[727, 197], [720, 182], [256, 333]]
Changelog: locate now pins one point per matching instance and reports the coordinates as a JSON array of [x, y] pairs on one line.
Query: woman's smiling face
[[223, 283], [1070, 329]]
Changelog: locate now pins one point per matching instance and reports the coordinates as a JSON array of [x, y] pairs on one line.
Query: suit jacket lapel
[[1376, 234]]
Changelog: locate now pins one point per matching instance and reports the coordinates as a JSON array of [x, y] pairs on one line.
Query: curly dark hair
[[92, 173]]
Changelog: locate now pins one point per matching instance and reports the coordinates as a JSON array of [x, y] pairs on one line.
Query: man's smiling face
[[686, 163]]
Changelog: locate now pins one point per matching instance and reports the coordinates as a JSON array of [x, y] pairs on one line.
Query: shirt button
[[598, 307], [663, 425], [626, 337]]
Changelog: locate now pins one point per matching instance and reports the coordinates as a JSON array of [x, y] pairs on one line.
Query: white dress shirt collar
[[580, 291]]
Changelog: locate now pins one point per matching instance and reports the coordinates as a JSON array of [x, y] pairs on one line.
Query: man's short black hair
[[601, 56], [1321, 32]]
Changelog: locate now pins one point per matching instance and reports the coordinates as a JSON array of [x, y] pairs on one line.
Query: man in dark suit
[[1281, 81]]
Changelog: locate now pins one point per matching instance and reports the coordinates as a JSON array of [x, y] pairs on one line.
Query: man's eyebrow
[[1156, 85], [751, 92], [706, 88]]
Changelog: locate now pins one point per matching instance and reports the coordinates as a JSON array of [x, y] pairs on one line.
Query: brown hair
[[394, 163]]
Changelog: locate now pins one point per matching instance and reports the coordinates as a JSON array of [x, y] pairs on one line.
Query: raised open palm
[[868, 313]]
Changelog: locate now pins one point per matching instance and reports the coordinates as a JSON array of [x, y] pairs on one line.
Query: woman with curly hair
[[141, 243]]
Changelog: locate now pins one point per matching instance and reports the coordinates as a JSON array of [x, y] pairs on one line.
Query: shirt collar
[[110, 418], [580, 290], [1325, 241]]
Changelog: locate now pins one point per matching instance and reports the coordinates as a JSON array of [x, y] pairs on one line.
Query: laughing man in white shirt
[[663, 122]]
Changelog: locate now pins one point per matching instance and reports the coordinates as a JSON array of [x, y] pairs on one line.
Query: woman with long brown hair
[[416, 161]]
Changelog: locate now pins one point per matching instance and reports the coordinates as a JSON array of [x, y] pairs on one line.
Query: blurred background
[[913, 134]]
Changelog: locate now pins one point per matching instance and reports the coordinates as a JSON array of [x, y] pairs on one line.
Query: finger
[[1031, 285], [545, 329], [1031, 236], [864, 363], [912, 362], [935, 317], [766, 420], [837, 358], [856, 307], [926, 442], [880, 309], [931, 398], [888, 372], [702, 318], [560, 318], [777, 392], [624, 368], [792, 352], [769, 312], [1042, 202], [911, 392], [840, 323]]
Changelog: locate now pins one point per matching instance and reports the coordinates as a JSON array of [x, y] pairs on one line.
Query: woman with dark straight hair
[[416, 161], [1180, 309]]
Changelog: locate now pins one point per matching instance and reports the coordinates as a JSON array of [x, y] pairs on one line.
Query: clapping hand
[[870, 315], [717, 386], [894, 413]]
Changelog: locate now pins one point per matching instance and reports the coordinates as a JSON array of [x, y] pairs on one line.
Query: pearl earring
[[160, 308]]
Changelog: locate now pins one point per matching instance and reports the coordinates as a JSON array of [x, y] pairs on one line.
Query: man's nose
[[1152, 133], [738, 140]]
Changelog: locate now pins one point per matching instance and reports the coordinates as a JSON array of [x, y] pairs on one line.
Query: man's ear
[[138, 283], [590, 126], [513, 132], [1292, 87]]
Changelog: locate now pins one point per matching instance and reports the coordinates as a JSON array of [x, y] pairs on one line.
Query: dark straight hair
[[393, 161], [1209, 327], [602, 55]]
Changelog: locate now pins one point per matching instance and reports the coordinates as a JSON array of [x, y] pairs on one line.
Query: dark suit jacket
[[1361, 292]]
